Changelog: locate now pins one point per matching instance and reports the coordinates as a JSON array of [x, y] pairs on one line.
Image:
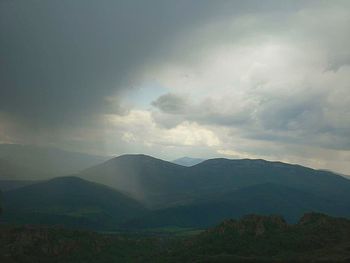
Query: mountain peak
[[135, 156], [138, 160]]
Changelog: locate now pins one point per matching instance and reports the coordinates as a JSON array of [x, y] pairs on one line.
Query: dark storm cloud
[[60, 59]]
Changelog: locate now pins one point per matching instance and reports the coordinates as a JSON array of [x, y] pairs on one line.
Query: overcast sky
[[234, 79]]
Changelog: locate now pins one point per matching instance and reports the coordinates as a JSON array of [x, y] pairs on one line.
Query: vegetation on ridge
[[315, 238]]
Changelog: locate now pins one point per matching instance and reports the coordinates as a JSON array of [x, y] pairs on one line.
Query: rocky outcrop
[[314, 218], [254, 225]]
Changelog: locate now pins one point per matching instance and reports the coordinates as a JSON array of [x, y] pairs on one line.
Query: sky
[[234, 79]]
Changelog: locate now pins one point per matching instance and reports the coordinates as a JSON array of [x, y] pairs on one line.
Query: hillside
[[253, 238], [150, 180], [264, 199], [42, 162], [220, 175], [33, 244], [69, 201]]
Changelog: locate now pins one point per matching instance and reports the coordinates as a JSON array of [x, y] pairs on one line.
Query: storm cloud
[[259, 79], [60, 59]]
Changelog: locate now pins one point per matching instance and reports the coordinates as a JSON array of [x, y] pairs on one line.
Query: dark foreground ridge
[[253, 238]]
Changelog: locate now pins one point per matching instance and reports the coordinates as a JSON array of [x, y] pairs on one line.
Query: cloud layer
[[241, 79]]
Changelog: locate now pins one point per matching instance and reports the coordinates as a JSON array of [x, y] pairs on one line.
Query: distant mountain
[[7, 185], [188, 161], [11, 171], [11, 175], [150, 180], [69, 201], [158, 183], [205, 194], [42, 162], [263, 199], [221, 175]]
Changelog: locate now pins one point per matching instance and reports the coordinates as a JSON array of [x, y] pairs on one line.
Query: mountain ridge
[[153, 179], [71, 201], [196, 196], [264, 199]]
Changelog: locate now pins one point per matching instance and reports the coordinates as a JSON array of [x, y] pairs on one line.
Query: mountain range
[[139, 192], [158, 183]]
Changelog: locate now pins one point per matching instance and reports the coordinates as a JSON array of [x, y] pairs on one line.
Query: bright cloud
[[240, 79]]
